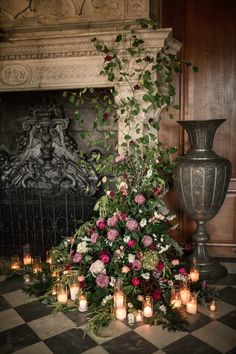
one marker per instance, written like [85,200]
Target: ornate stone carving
[47,157]
[14,74]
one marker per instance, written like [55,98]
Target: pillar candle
[184,296]
[194,276]
[74,289]
[121,313]
[83,304]
[62,296]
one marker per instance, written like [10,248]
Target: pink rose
[81,278]
[94,237]
[112,234]
[136,265]
[135,281]
[125,269]
[120,158]
[175,262]
[101,223]
[139,199]
[102,280]
[113,220]
[182,271]
[77,257]
[132,225]
[104,256]
[147,240]
[131,243]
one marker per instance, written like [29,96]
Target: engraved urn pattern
[201,179]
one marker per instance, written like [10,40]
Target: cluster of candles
[121,309]
[35,262]
[74,293]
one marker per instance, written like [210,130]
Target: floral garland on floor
[129,242]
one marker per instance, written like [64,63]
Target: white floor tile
[9,319]
[17,298]
[37,348]
[222,309]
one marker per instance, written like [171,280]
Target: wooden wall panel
[208,32]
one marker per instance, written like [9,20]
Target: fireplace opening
[46,190]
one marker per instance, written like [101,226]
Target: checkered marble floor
[28,327]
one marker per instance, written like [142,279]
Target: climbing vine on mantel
[149,79]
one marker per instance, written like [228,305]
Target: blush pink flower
[102,280]
[77,257]
[112,221]
[175,262]
[137,265]
[131,243]
[139,199]
[120,158]
[122,216]
[125,269]
[94,236]
[132,225]
[112,234]
[101,223]
[104,256]
[147,240]
[135,281]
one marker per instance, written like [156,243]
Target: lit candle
[54,291]
[121,313]
[15,263]
[27,259]
[83,304]
[119,300]
[191,306]
[194,275]
[49,260]
[147,311]
[184,296]
[212,306]
[62,296]
[139,316]
[74,289]
[26,279]
[176,303]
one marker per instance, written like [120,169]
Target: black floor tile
[189,345]
[71,342]
[230,279]
[197,321]
[228,294]
[130,342]
[32,311]
[17,338]
[10,285]
[4,304]
[78,318]
[229,319]
[232,351]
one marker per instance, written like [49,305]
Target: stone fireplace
[47,47]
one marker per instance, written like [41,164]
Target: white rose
[145,276]
[149,173]
[159,216]
[82,247]
[97,267]
[126,239]
[143,223]
[163,308]
[131,258]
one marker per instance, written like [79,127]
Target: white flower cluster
[181,277]
[131,258]
[131,318]
[143,223]
[163,308]
[106,299]
[164,248]
[112,282]
[82,247]
[145,276]
[126,239]
[97,267]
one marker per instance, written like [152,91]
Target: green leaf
[195,69]
[118,38]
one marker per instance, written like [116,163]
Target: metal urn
[201,179]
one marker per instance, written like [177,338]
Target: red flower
[101,224]
[111,194]
[108,58]
[106,115]
[135,281]
[104,256]
[137,87]
[131,243]
[157,295]
[157,191]
[160,266]
[122,216]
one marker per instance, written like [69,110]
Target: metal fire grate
[47,190]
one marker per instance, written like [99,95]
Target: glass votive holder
[74,287]
[37,265]
[191,306]
[15,262]
[184,294]
[194,271]
[139,316]
[27,259]
[148,307]
[62,296]
[83,303]
[175,297]
[26,280]
[212,306]
[120,313]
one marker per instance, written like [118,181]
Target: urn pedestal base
[211,269]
